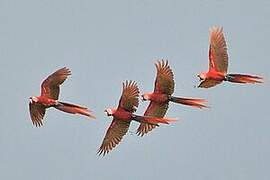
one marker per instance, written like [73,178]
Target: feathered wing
[130,96]
[154,110]
[209,83]
[113,136]
[164,83]
[164,80]
[129,101]
[50,86]
[37,112]
[218,57]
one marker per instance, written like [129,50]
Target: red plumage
[218,64]
[162,95]
[50,89]
[123,115]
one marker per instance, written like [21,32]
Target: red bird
[218,63]
[162,95]
[123,115]
[49,98]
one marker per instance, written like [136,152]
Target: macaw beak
[199,77]
[31,101]
[142,98]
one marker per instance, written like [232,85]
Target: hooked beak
[142,99]
[31,101]
[199,77]
[108,112]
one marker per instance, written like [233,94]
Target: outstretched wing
[164,81]
[130,96]
[209,83]
[37,112]
[113,136]
[218,57]
[50,86]
[154,110]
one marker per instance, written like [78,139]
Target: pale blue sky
[107,42]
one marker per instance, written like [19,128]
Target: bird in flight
[218,64]
[50,89]
[123,115]
[162,95]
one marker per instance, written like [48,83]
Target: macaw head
[145,97]
[202,76]
[109,111]
[33,99]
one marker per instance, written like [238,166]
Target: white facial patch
[201,76]
[108,111]
[145,97]
[33,99]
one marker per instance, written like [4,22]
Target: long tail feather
[154,120]
[242,78]
[74,109]
[197,103]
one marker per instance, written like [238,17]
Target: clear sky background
[107,42]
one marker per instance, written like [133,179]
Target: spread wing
[218,57]
[37,112]
[130,96]
[50,86]
[113,136]
[164,80]
[155,110]
[209,83]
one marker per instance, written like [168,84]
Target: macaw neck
[113,110]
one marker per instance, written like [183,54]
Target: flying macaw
[50,89]
[123,115]
[162,95]
[218,64]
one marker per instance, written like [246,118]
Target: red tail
[197,103]
[154,120]
[74,109]
[241,78]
